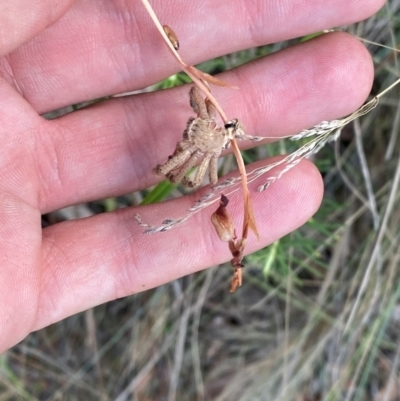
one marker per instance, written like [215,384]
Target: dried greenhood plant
[203,141]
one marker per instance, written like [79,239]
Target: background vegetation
[317,318]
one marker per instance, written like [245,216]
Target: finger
[20,231]
[21,20]
[94,260]
[103,47]
[112,148]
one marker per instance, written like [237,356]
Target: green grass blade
[158,193]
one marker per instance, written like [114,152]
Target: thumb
[21,20]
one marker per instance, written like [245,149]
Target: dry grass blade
[249,222]
[210,78]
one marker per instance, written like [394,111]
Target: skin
[61,52]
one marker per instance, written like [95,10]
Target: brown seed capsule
[171,36]
[236,280]
[237,249]
[222,221]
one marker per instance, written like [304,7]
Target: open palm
[60,53]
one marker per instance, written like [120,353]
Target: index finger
[16,27]
[102,47]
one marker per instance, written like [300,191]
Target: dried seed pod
[222,221]
[236,279]
[171,36]
[237,249]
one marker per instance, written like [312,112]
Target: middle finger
[111,148]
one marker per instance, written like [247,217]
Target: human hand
[74,52]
